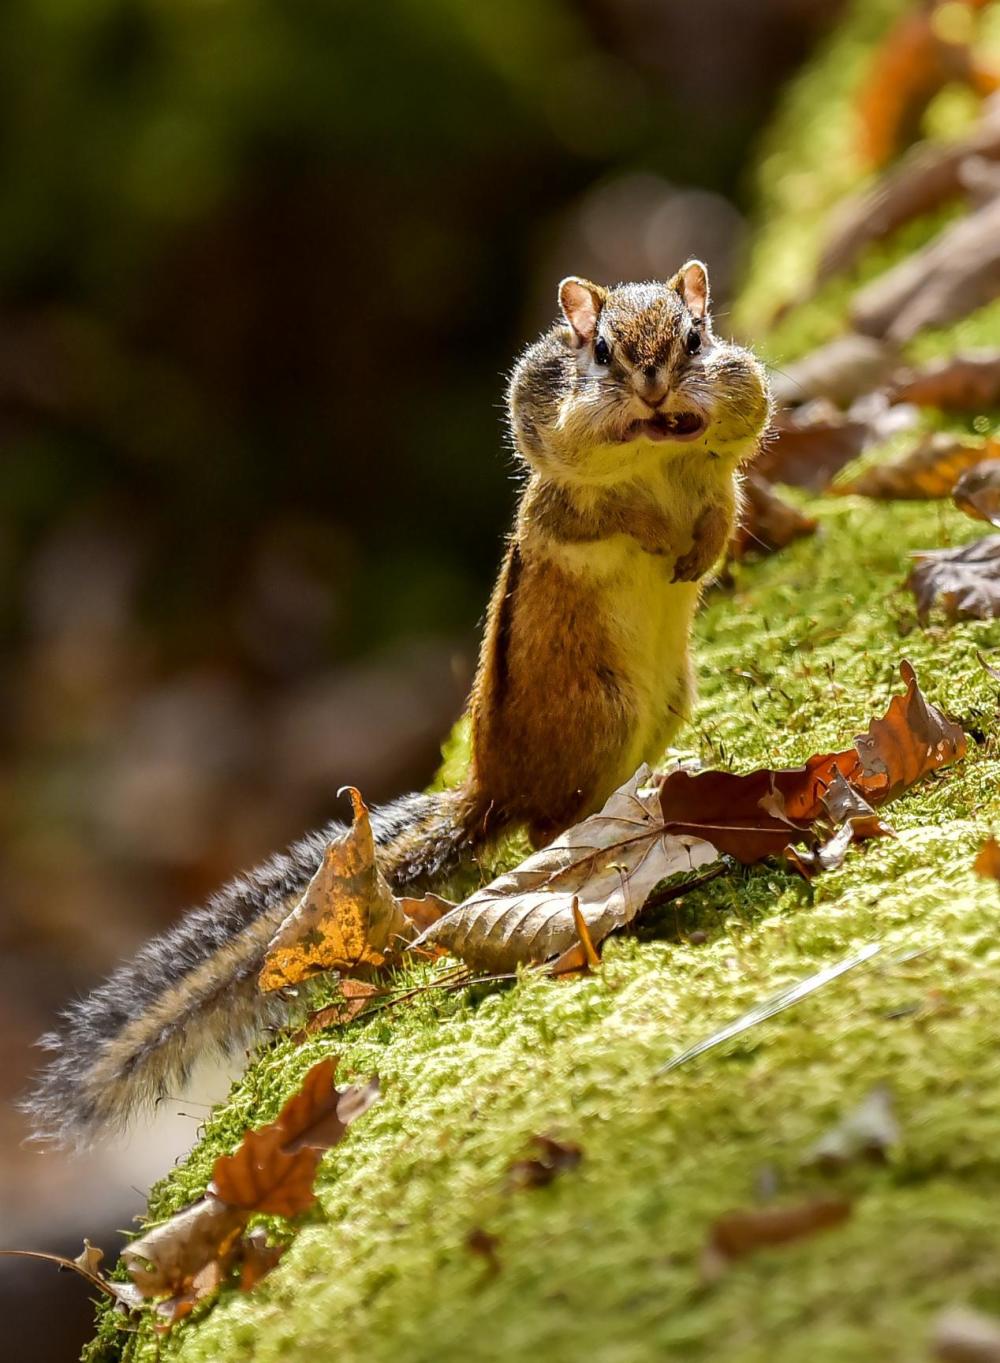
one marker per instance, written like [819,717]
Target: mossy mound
[603,1264]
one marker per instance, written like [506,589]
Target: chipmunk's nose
[650,386]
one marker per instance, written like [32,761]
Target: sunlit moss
[604,1264]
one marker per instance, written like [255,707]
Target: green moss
[604,1263]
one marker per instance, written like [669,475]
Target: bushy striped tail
[194,988]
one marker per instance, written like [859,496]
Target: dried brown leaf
[740,1233]
[274,1167]
[953,275]
[839,371]
[553,1157]
[86,1265]
[347,917]
[166,1260]
[964,581]
[928,177]
[609,863]
[966,382]
[355,995]
[481,1242]
[964,1336]
[258,1258]
[869,1131]
[767,522]
[755,815]
[929,470]
[805,448]
[977,492]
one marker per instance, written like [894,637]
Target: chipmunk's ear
[581,303]
[691,282]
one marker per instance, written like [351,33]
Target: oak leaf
[608,864]
[274,1167]
[347,917]
[927,471]
[964,581]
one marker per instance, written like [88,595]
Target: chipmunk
[631,420]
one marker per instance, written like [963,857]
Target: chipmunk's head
[635,374]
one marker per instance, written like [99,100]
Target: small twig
[676,891]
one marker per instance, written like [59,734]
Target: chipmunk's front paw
[711,534]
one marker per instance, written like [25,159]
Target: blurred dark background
[262,269]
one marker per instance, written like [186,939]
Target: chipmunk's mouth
[666,426]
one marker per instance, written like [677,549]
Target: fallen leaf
[481,1242]
[966,382]
[915,60]
[827,856]
[845,804]
[929,470]
[869,1131]
[964,581]
[553,1157]
[347,917]
[805,448]
[272,1171]
[609,864]
[957,272]
[964,1336]
[258,1258]
[766,523]
[929,176]
[987,862]
[274,1167]
[354,997]
[165,1261]
[977,492]
[839,371]
[740,1233]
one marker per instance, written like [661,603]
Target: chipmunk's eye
[602,351]
[692,343]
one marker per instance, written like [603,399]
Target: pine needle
[777,1003]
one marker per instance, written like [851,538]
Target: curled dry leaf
[964,1336]
[166,1260]
[767,522]
[740,1233]
[553,1157]
[965,582]
[259,1258]
[609,864]
[808,446]
[87,1264]
[929,470]
[348,916]
[869,1131]
[977,492]
[966,382]
[953,275]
